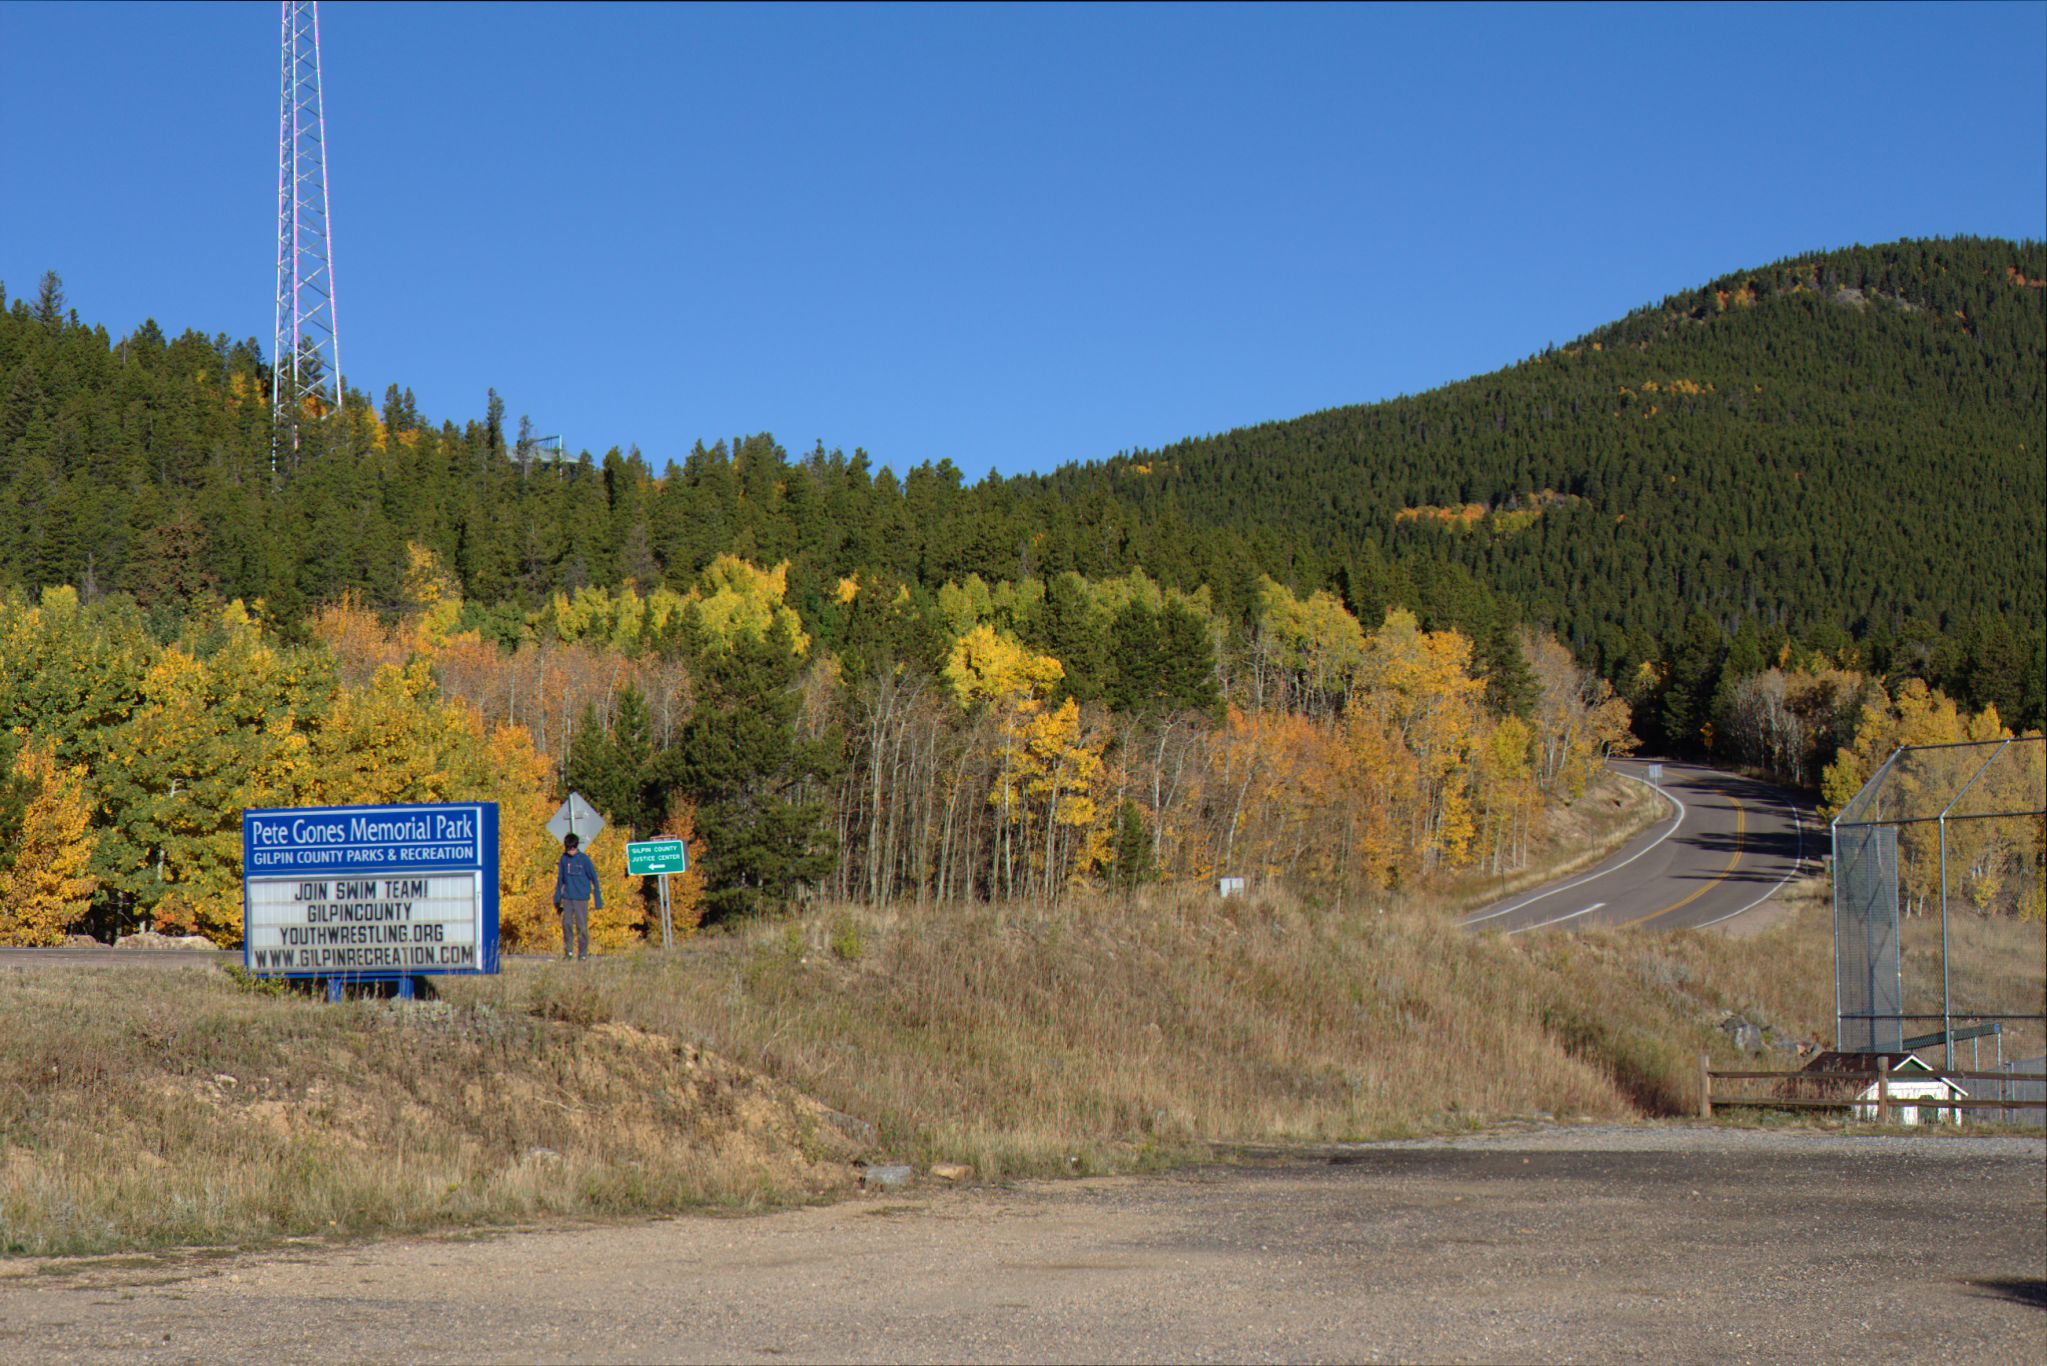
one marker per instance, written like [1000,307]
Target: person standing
[575,892]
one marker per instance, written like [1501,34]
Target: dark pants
[575,929]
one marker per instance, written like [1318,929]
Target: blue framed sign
[367,892]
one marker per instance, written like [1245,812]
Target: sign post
[370,893]
[576,817]
[657,859]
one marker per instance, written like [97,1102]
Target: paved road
[1576,1244]
[1731,843]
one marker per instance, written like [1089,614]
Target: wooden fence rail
[1884,1101]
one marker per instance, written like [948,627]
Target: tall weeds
[143,1109]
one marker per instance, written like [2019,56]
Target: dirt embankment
[165,1109]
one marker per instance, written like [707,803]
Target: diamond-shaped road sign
[576,817]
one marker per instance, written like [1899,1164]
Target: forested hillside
[1841,450]
[1355,650]
[1840,446]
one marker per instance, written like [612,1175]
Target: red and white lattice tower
[305,358]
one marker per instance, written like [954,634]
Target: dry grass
[147,1109]
[142,1110]
[1998,964]
[1105,1035]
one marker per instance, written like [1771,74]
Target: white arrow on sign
[576,817]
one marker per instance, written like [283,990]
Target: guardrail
[1884,1101]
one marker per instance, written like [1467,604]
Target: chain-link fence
[1937,827]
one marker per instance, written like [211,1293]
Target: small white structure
[1229,886]
[1912,1079]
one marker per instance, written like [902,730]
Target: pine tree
[50,299]
[1136,668]
[1076,636]
[1187,680]
[494,426]
[1995,672]
[634,791]
[761,831]
[1133,862]
[1510,687]
[1687,700]
[590,766]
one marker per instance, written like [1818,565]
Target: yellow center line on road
[1740,824]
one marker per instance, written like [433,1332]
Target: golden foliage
[358,641]
[737,598]
[433,596]
[1409,776]
[987,666]
[47,890]
[1992,864]
[1917,715]
[208,739]
[520,781]
[686,889]
[1048,768]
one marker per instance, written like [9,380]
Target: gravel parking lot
[1690,1243]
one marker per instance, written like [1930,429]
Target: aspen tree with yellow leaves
[1417,684]
[45,882]
[1995,864]
[685,889]
[736,598]
[1052,826]
[989,671]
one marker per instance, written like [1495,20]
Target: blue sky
[1010,237]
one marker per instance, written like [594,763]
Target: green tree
[1077,635]
[588,767]
[1132,866]
[1686,709]
[50,299]
[1995,674]
[619,770]
[761,831]
[1136,676]
[1510,686]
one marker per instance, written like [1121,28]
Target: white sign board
[365,924]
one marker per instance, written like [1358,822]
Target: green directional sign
[651,858]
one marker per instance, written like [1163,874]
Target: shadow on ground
[2032,1294]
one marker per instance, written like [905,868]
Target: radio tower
[306,355]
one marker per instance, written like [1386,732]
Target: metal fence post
[1883,1089]
[1947,1018]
